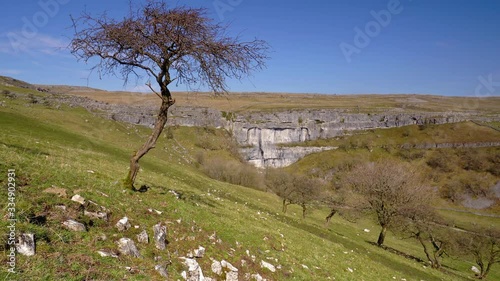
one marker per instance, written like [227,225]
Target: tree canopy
[180,44]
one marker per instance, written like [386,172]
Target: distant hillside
[11,82]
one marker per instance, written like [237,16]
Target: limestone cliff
[261,133]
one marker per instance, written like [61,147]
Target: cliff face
[262,133]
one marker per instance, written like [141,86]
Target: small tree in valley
[167,44]
[483,246]
[387,188]
[281,184]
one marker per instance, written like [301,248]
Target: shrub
[441,161]
[411,154]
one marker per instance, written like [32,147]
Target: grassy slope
[49,147]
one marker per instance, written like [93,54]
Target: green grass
[73,149]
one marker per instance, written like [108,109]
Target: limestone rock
[143,237]
[26,244]
[257,277]
[162,270]
[61,207]
[74,225]
[123,224]
[96,215]
[475,270]
[268,266]
[160,236]
[227,265]
[194,272]
[79,199]
[103,253]
[232,276]
[216,267]
[200,252]
[127,247]
[231,271]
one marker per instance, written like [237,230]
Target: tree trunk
[304,208]
[426,251]
[330,216]
[381,236]
[484,272]
[160,122]
[285,205]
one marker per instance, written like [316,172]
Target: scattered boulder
[74,225]
[60,207]
[227,265]
[96,215]
[232,276]
[268,266]
[216,267]
[79,199]
[475,270]
[194,272]
[103,253]
[257,277]
[162,270]
[127,247]
[200,252]
[143,237]
[155,211]
[26,244]
[123,224]
[160,236]
[231,271]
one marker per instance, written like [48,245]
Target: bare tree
[387,188]
[167,44]
[281,184]
[306,192]
[483,246]
[429,230]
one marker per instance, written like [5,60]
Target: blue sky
[446,47]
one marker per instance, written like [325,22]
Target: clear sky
[446,47]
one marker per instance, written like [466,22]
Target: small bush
[470,185]
[472,161]
[441,161]
[411,154]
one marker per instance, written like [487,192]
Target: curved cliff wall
[261,133]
